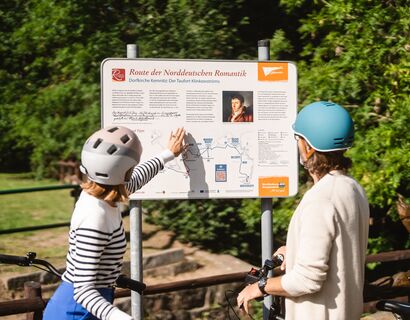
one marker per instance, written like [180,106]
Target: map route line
[200,154]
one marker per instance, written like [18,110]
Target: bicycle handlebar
[128,283]
[255,275]
[400,308]
[20,261]
[29,260]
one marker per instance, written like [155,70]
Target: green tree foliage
[356,53]
[351,52]
[221,225]
[51,53]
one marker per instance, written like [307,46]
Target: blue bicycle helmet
[326,126]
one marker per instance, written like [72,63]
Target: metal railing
[43,188]
[34,304]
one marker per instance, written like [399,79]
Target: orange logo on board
[272,71]
[273,186]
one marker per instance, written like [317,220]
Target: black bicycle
[30,261]
[400,310]
[254,275]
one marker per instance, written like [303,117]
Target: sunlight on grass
[32,208]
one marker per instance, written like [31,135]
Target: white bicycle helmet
[109,153]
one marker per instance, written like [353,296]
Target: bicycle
[254,275]
[400,310]
[30,261]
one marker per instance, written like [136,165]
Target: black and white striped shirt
[97,244]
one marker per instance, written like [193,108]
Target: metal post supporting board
[266,204]
[135,233]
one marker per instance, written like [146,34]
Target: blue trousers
[62,305]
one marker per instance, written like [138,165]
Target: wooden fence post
[32,289]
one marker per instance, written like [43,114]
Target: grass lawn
[33,209]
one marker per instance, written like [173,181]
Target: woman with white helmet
[97,239]
[327,235]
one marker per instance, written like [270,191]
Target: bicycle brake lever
[31,256]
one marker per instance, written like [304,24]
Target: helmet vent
[97,143]
[98,174]
[112,129]
[338,139]
[125,138]
[112,149]
[328,104]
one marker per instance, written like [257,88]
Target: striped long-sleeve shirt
[97,244]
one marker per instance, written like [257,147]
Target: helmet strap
[306,150]
[310,153]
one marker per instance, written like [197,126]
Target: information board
[237,115]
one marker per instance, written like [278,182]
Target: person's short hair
[105,192]
[238,96]
[321,163]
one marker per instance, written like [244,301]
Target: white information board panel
[251,156]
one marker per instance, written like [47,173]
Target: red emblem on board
[118,74]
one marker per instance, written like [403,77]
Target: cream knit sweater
[325,251]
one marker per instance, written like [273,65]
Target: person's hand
[282,251]
[176,142]
[249,293]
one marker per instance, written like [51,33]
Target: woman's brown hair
[111,194]
[321,163]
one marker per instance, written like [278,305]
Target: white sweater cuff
[117,314]
[167,156]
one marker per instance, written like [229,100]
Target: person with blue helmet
[327,236]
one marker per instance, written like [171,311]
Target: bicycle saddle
[400,308]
